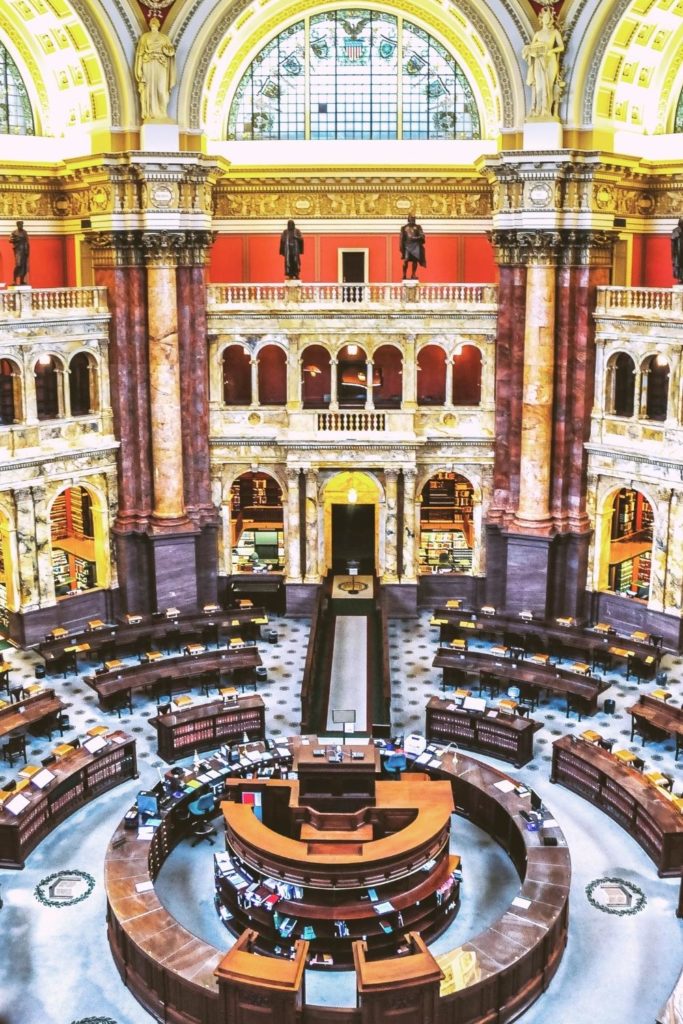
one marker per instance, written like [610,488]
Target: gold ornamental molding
[351,197]
[566,248]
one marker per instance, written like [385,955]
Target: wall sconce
[313,370]
[352,496]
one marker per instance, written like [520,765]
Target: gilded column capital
[587,248]
[162,248]
[115,248]
[527,248]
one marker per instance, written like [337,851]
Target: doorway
[353,537]
[352,268]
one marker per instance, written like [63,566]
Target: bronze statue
[19,241]
[291,247]
[677,251]
[412,247]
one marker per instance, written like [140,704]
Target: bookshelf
[623,793]
[78,778]
[509,737]
[630,553]
[446,533]
[207,726]
[73,546]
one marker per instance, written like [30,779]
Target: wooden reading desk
[36,708]
[656,713]
[206,726]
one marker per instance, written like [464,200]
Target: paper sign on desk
[144,886]
[146,832]
[519,901]
[505,785]
[95,743]
[43,779]
[17,804]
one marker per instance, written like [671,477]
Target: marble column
[390,549]
[312,573]
[293,527]
[294,379]
[27,556]
[369,397]
[29,403]
[409,369]
[409,531]
[673,589]
[449,381]
[43,543]
[164,380]
[334,403]
[533,509]
[254,382]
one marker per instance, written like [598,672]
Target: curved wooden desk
[508,965]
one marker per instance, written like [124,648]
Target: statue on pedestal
[154,72]
[677,251]
[19,242]
[292,247]
[412,247]
[542,55]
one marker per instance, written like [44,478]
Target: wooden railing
[349,296]
[318,661]
[351,421]
[34,302]
[666,301]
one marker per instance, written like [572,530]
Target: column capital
[570,248]
[150,248]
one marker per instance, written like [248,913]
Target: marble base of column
[159,525]
[527,574]
[569,573]
[401,600]
[136,588]
[535,527]
[207,563]
[174,568]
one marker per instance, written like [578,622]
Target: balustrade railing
[614,299]
[33,302]
[355,422]
[329,295]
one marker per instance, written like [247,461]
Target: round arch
[449,521]
[94,549]
[9,572]
[254,522]
[216,49]
[72,63]
[352,488]
[626,516]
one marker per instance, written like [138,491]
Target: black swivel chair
[202,811]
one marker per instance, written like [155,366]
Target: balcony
[48,303]
[662,303]
[375,297]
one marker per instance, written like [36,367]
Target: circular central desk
[494,976]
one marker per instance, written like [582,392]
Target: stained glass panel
[356,83]
[678,120]
[16,116]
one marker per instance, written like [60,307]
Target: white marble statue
[155,72]
[542,55]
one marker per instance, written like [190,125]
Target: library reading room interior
[341,511]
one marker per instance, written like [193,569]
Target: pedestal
[527,574]
[159,138]
[410,290]
[174,561]
[542,135]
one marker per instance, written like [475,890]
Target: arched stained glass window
[16,117]
[353,74]
[678,120]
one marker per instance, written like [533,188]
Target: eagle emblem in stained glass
[353,74]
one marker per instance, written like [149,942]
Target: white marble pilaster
[409,367]
[294,380]
[411,528]
[334,403]
[390,535]
[254,382]
[449,382]
[312,574]
[673,589]
[293,528]
[369,397]
[43,539]
[27,562]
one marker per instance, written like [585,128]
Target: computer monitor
[148,803]
[380,730]
[536,802]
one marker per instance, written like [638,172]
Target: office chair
[201,811]
[395,764]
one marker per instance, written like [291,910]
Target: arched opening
[236,376]
[467,376]
[351,520]
[387,377]
[446,524]
[630,545]
[431,376]
[621,385]
[47,373]
[352,377]
[72,531]
[315,377]
[82,388]
[655,389]
[10,392]
[16,116]
[272,375]
[258,540]
[8,574]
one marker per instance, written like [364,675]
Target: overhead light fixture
[44,360]
[313,370]
[352,496]
[661,360]
[352,349]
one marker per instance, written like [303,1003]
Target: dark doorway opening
[353,274]
[353,537]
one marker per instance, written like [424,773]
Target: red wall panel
[478,263]
[47,266]
[656,264]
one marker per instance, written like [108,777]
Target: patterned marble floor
[89,987]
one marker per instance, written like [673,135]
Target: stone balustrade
[353,422]
[350,296]
[20,303]
[646,301]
